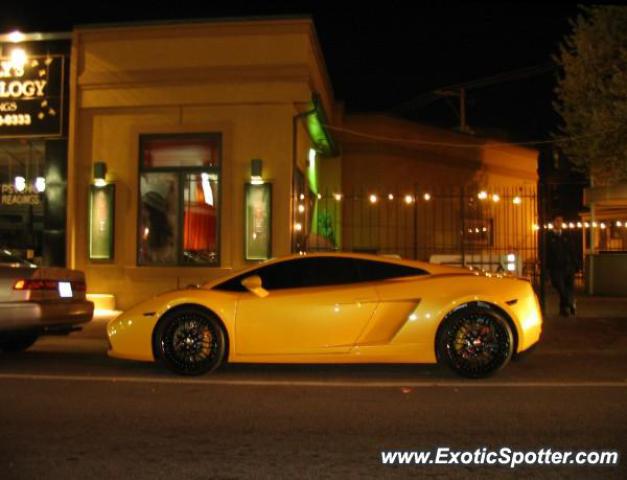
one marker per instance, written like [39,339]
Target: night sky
[380,58]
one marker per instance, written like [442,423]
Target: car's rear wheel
[475,342]
[17,341]
[190,341]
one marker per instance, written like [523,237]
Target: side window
[322,271]
[300,273]
[372,271]
[273,277]
[281,275]
[308,272]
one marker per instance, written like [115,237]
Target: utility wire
[438,93]
[455,145]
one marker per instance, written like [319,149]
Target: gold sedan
[335,308]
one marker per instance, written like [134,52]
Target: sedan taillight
[46,284]
[36,284]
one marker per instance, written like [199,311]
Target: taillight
[36,284]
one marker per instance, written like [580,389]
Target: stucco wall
[245,80]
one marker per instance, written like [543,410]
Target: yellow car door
[313,305]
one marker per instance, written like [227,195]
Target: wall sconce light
[100,174]
[256,167]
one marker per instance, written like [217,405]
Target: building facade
[178,114]
[189,149]
[34,105]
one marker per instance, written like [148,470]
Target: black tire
[475,342]
[190,341]
[17,341]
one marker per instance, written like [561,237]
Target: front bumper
[44,315]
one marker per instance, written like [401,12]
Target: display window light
[19,183]
[40,184]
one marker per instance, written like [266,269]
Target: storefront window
[22,187]
[179,201]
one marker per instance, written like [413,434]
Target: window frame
[181,173]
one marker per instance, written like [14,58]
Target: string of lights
[583,225]
[408,198]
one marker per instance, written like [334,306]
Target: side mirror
[253,284]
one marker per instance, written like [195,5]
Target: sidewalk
[589,307]
[97,328]
[599,327]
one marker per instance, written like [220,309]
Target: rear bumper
[44,315]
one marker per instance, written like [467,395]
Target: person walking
[562,263]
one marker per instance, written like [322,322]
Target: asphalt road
[67,411]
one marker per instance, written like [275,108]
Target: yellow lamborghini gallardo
[335,308]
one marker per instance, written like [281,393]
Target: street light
[16,36]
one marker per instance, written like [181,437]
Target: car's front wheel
[190,341]
[475,342]
[17,341]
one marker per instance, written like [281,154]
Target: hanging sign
[31,96]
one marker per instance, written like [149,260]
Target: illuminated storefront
[33,145]
[187,143]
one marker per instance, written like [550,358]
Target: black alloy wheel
[475,342]
[190,341]
[17,341]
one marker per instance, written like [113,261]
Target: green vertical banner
[258,222]
[101,222]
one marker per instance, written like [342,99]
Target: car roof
[430,268]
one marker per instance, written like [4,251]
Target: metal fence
[493,229]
